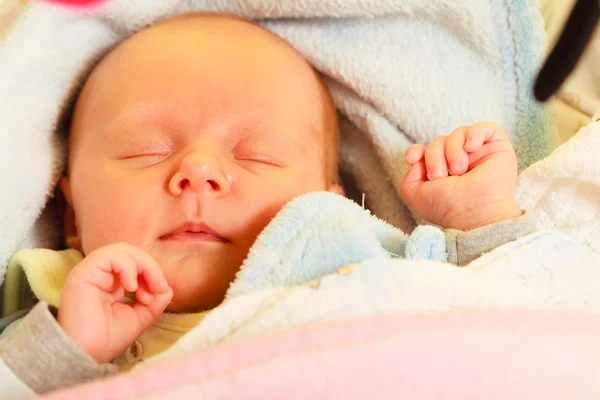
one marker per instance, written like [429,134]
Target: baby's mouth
[194,232]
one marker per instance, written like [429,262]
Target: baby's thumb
[416,174]
[481,133]
[149,312]
[161,302]
[145,314]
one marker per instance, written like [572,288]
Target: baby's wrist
[491,213]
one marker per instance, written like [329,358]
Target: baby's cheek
[99,230]
[272,199]
[251,216]
[257,221]
[112,217]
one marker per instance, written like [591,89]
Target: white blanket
[563,190]
[545,270]
[400,71]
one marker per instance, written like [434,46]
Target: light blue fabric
[316,234]
[522,47]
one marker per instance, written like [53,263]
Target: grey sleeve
[464,247]
[44,357]
[8,320]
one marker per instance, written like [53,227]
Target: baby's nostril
[184,183]
[214,185]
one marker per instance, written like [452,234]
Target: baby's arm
[464,247]
[38,356]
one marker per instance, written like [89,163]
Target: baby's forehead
[191,30]
[145,48]
[191,35]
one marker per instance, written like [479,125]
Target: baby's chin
[185,301]
[199,284]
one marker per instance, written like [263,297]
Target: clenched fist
[92,311]
[465,180]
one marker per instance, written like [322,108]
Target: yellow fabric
[167,330]
[46,272]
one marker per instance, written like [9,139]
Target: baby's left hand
[465,180]
[92,311]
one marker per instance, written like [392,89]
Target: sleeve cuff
[464,247]
[44,357]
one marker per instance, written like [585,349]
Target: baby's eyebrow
[139,115]
[273,135]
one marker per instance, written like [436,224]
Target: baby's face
[186,141]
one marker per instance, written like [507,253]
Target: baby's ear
[65,206]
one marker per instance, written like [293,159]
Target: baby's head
[188,138]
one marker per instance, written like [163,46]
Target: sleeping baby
[185,141]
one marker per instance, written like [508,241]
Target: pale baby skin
[185,142]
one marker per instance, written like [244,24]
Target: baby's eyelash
[259,159]
[138,155]
[259,149]
[145,149]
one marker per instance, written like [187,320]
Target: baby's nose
[200,174]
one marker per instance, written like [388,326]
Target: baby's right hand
[92,311]
[465,180]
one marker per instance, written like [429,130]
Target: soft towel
[319,233]
[400,72]
[563,190]
[546,270]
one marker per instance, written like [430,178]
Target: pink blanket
[466,355]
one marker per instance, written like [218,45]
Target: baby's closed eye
[144,153]
[261,150]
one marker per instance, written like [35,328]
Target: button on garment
[163,334]
[136,350]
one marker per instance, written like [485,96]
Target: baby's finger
[435,159]
[483,132]
[148,268]
[148,313]
[133,320]
[414,154]
[106,265]
[155,280]
[457,157]
[126,269]
[143,295]
[416,174]
[102,278]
